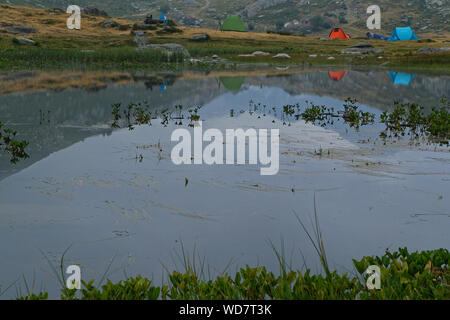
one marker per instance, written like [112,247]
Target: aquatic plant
[410,118]
[404,276]
[9,144]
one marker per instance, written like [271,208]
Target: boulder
[56,11]
[433,50]
[24,41]
[148,19]
[19,29]
[202,37]
[260,53]
[170,48]
[140,39]
[143,26]
[109,23]
[282,56]
[93,11]
[362,48]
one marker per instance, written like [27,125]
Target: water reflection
[337,75]
[400,78]
[90,185]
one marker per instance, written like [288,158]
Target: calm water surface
[87,186]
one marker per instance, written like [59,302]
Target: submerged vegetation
[404,276]
[9,144]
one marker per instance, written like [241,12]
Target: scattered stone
[24,41]
[433,50]
[109,23]
[331,58]
[282,56]
[202,37]
[215,57]
[313,55]
[19,30]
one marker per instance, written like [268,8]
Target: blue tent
[375,36]
[163,17]
[401,34]
[401,78]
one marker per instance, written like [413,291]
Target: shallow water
[115,193]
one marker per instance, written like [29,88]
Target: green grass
[76,59]
[404,276]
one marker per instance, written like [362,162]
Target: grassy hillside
[115,47]
[316,16]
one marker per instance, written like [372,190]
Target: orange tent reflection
[337,75]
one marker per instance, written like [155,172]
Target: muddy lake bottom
[114,194]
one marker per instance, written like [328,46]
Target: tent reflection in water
[400,78]
[337,75]
[233,84]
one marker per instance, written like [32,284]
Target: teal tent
[401,78]
[402,34]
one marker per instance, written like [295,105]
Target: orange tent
[338,33]
[337,75]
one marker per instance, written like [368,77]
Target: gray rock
[433,50]
[260,53]
[140,39]
[93,11]
[282,56]
[24,41]
[362,45]
[202,37]
[362,48]
[143,26]
[56,10]
[19,30]
[19,75]
[170,48]
[109,23]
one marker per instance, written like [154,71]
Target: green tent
[232,83]
[233,23]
